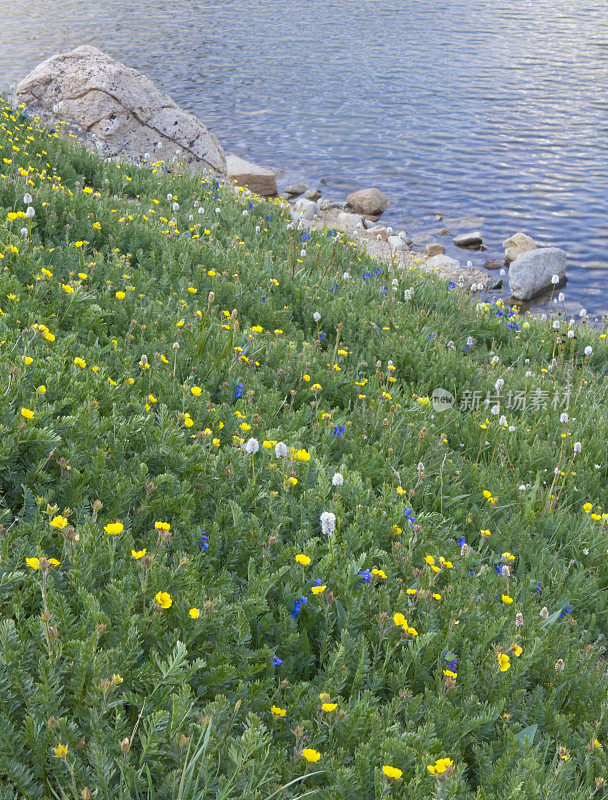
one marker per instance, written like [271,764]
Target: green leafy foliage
[158,637]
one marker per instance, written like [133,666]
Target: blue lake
[494,110]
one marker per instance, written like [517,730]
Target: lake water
[495,109]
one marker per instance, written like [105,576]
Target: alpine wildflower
[392,772]
[113,528]
[328,523]
[164,600]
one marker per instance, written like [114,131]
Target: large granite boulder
[119,109]
[259,179]
[533,272]
[517,244]
[368,201]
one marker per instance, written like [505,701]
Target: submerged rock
[295,189]
[312,194]
[517,244]
[368,201]
[118,108]
[473,239]
[533,271]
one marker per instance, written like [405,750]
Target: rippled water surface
[466,108]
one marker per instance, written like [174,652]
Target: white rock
[531,273]
[348,222]
[397,244]
[121,108]
[244,173]
[308,208]
[517,244]
[442,262]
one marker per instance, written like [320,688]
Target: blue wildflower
[322,336]
[378,271]
[203,542]
[298,605]
[431,336]
[239,390]
[304,237]
[367,275]
[339,430]
[276,661]
[451,285]
[366,575]
[408,514]
[565,611]
[461,541]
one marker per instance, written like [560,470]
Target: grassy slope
[111,441]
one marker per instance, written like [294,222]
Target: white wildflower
[280,449]
[337,480]
[252,446]
[328,523]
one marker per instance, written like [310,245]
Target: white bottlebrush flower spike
[252,446]
[328,523]
[280,449]
[338,479]
[316,316]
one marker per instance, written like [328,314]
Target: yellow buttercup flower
[302,559]
[506,599]
[59,522]
[504,662]
[196,391]
[278,712]
[517,650]
[587,507]
[138,554]
[61,750]
[114,528]
[303,455]
[392,772]
[194,613]
[27,413]
[164,600]
[311,755]
[329,707]
[318,589]
[440,766]
[34,563]
[162,526]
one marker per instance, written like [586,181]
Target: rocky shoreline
[121,114]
